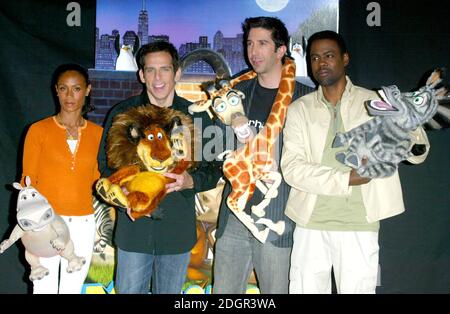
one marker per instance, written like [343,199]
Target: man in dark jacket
[152,251]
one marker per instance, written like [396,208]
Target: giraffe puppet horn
[199,106]
[435,78]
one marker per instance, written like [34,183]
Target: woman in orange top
[60,157]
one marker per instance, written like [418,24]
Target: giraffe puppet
[226,105]
[252,163]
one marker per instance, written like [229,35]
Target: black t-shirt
[259,105]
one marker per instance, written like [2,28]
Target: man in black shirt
[237,251]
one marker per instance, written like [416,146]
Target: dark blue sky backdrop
[186,20]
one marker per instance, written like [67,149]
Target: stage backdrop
[413,38]
[415,246]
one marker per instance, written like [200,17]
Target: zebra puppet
[385,139]
[104,223]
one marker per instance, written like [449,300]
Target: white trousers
[352,254]
[82,233]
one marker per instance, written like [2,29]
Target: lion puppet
[142,144]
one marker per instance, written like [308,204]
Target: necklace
[71,130]
[70,135]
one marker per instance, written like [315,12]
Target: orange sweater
[65,179]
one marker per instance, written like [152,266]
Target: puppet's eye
[33,194]
[233,100]
[418,100]
[160,136]
[48,214]
[25,223]
[220,107]
[24,197]
[151,137]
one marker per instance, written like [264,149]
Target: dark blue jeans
[135,271]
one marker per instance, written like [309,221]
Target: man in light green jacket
[336,211]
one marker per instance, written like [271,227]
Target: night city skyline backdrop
[198,17]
